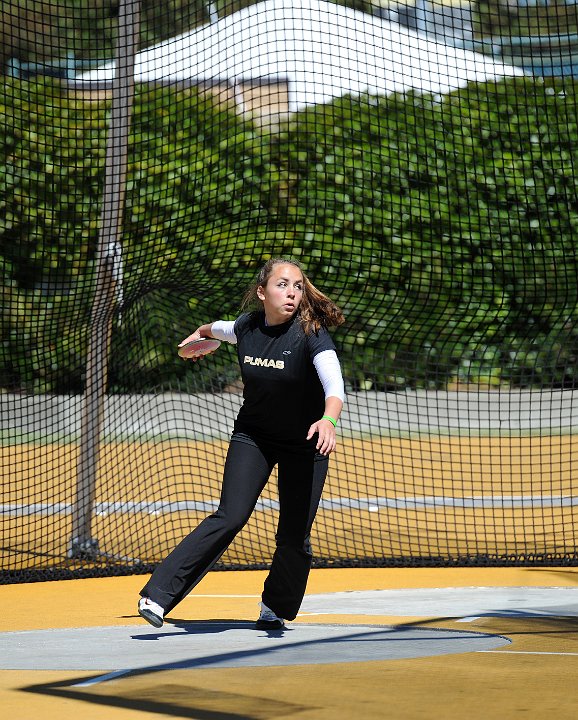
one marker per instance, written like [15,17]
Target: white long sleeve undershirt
[329,372]
[224,330]
[326,362]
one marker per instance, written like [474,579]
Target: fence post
[107,286]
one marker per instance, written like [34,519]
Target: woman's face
[282,294]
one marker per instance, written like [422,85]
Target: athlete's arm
[220,330]
[329,371]
[224,330]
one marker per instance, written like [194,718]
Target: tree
[31,30]
[513,18]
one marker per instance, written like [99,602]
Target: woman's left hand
[326,441]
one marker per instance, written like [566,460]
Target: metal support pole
[82,544]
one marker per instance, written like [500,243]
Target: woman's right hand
[201,332]
[195,336]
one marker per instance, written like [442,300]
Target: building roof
[324,50]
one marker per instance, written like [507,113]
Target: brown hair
[316,309]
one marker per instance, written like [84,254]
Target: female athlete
[292,398]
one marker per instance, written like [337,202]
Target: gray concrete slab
[462,602]
[209,416]
[227,644]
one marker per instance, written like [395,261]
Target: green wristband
[333,421]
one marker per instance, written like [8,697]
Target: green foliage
[499,18]
[445,227]
[51,157]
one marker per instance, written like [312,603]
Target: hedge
[444,226]
[452,221]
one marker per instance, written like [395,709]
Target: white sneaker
[151,611]
[268,620]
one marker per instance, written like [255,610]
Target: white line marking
[526,652]
[308,614]
[102,678]
[503,502]
[195,595]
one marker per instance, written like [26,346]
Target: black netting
[419,158]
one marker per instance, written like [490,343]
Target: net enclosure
[419,159]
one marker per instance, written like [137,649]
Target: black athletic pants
[301,476]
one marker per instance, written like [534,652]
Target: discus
[198,348]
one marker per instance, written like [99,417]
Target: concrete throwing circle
[228,644]
[455,602]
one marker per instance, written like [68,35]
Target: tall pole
[108,279]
